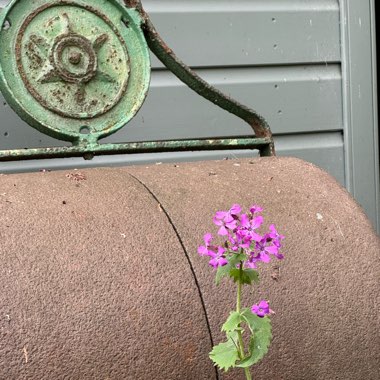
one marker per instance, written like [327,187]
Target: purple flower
[252,260]
[215,252]
[254,209]
[234,242]
[218,260]
[275,236]
[227,220]
[227,223]
[262,250]
[262,309]
[204,249]
[268,246]
[249,225]
[242,237]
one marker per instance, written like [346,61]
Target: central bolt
[75,57]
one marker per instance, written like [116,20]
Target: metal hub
[57,64]
[73,59]
[79,62]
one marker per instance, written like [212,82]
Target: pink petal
[244,220]
[218,262]
[202,250]
[220,214]
[264,257]
[222,231]
[250,265]
[255,208]
[256,237]
[217,221]
[221,250]
[272,249]
[257,222]
[207,238]
[263,304]
[231,225]
[235,209]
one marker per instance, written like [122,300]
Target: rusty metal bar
[197,84]
[89,151]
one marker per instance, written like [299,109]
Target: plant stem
[240,337]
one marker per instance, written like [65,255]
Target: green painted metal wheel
[75,70]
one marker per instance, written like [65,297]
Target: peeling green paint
[90,150]
[69,67]
[80,70]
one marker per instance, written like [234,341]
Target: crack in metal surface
[187,257]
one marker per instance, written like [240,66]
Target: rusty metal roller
[100,278]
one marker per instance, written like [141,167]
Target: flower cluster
[244,247]
[242,237]
[244,242]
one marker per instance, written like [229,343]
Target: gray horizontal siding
[173,111]
[234,33]
[229,33]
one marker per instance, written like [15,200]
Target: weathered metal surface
[79,71]
[76,70]
[56,69]
[99,273]
[88,151]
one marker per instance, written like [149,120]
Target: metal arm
[196,83]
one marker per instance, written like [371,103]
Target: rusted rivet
[75,57]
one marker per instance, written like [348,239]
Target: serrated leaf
[260,340]
[252,275]
[225,355]
[224,271]
[255,323]
[247,276]
[233,322]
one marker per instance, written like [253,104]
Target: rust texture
[100,273]
[88,149]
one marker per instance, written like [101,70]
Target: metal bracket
[80,84]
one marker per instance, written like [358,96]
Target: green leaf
[224,271]
[261,329]
[233,322]
[247,276]
[225,355]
